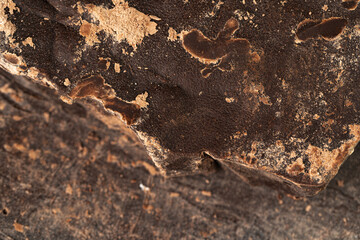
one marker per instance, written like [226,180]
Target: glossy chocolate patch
[328,29]
[95,86]
[218,51]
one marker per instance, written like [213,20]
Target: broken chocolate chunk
[254,87]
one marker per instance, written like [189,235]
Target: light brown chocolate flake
[117,67]
[29,42]
[67,82]
[18,227]
[122,22]
[69,189]
[173,35]
[5,25]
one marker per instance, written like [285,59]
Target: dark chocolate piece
[257,87]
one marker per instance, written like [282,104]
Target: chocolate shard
[256,87]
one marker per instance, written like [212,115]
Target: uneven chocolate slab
[66,175]
[268,88]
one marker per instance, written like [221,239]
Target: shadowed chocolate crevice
[328,29]
[350,4]
[219,51]
[95,86]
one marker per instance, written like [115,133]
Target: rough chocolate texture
[76,172]
[267,88]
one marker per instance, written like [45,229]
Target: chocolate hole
[5,212]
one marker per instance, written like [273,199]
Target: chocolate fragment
[284,106]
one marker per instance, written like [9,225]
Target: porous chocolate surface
[268,88]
